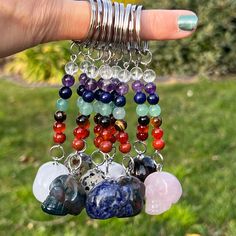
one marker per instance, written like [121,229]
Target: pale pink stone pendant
[162,190]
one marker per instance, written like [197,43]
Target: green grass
[200,132]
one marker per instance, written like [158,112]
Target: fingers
[167,24]
[155,24]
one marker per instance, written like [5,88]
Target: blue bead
[65,92]
[88,96]
[114,94]
[98,94]
[153,99]
[120,101]
[105,97]
[80,90]
[140,98]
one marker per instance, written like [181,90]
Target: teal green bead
[97,106]
[119,113]
[105,109]
[154,110]
[142,110]
[86,109]
[80,102]
[112,104]
[62,104]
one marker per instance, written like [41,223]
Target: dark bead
[83,78]
[140,98]
[98,94]
[105,97]
[113,120]
[120,125]
[153,99]
[80,90]
[143,120]
[120,101]
[143,167]
[156,121]
[88,96]
[65,92]
[105,121]
[81,120]
[114,94]
[60,116]
[97,118]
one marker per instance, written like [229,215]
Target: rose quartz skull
[162,190]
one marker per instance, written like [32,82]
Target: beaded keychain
[112,56]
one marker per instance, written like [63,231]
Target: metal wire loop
[61,149]
[139,144]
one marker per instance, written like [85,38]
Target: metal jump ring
[103,155]
[58,146]
[130,165]
[70,158]
[139,152]
[158,155]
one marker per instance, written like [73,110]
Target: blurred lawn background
[199,123]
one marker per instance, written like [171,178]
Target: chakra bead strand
[65,93]
[119,114]
[86,92]
[141,110]
[155,111]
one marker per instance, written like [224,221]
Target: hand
[26,23]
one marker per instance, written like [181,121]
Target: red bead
[113,139]
[86,125]
[106,134]
[97,129]
[59,127]
[122,137]
[78,144]
[142,136]
[97,141]
[125,147]
[158,144]
[59,138]
[157,133]
[142,128]
[112,129]
[105,146]
[81,133]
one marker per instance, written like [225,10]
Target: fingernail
[187,22]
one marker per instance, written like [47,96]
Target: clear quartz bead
[84,65]
[137,73]
[71,68]
[116,70]
[92,71]
[124,76]
[105,72]
[149,75]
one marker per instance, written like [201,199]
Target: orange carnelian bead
[113,139]
[157,133]
[158,144]
[78,144]
[81,133]
[112,129]
[142,136]
[59,127]
[105,146]
[142,128]
[106,134]
[59,138]
[122,137]
[125,147]
[97,141]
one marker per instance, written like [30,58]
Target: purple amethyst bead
[108,86]
[137,86]
[91,84]
[122,88]
[68,80]
[100,83]
[115,81]
[83,78]
[150,88]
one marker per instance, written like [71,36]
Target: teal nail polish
[187,22]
